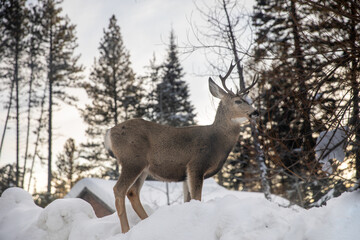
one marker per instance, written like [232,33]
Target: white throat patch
[239,120]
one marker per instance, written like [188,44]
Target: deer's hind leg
[129,174]
[134,196]
[186,191]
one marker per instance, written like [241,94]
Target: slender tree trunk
[16,80]
[115,113]
[28,123]
[232,40]
[7,116]
[355,121]
[37,141]
[71,171]
[50,137]
[260,156]
[50,79]
[308,142]
[260,159]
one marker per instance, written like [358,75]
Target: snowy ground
[222,215]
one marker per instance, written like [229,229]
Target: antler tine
[223,79]
[246,90]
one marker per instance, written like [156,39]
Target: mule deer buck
[188,154]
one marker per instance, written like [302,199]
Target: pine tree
[69,169]
[35,66]
[285,85]
[62,67]
[334,29]
[172,105]
[115,97]
[14,19]
[151,80]
[302,90]
[7,177]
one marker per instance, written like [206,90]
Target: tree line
[306,55]
[39,67]
[305,144]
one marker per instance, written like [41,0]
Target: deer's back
[168,151]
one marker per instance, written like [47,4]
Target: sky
[145,26]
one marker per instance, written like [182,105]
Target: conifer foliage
[14,23]
[37,52]
[114,95]
[172,105]
[300,52]
[62,65]
[69,168]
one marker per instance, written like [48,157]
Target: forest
[304,146]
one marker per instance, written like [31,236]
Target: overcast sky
[145,26]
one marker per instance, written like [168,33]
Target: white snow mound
[59,217]
[229,217]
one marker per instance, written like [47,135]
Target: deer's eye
[238,102]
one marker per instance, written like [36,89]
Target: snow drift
[227,217]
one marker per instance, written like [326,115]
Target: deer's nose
[254,114]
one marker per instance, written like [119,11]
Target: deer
[173,154]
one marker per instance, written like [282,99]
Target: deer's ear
[215,90]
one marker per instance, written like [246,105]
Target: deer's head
[236,104]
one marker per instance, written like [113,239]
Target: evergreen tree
[69,169]
[62,67]
[115,97]
[334,29]
[172,105]
[14,20]
[151,80]
[302,91]
[293,113]
[7,177]
[34,53]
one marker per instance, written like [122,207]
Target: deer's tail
[107,142]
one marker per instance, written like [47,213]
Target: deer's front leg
[195,182]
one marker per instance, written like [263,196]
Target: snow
[223,214]
[153,193]
[330,145]
[99,187]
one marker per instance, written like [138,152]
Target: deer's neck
[223,122]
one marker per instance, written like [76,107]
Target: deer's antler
[240,92]
[246,90]
[223,79]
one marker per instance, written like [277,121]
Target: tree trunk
[233,46]
[355,121]
[260,156]
[7,116]
[28,123]
[50,79]
[16,80]
[260,159]
[306,130]
[37,141]
[115,114]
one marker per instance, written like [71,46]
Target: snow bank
[244,216]
[153,193]
[18,215]
[59,217]
[330,145]
[223,218]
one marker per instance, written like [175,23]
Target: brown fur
[167,153]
